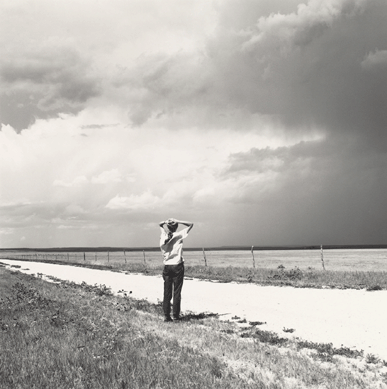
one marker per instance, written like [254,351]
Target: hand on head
[171,221]
[171,225]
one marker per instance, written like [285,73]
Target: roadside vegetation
[66,335]
[279,276]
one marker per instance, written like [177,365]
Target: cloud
[74,209]
[106,177]
[46,81]
[144,201]
[64,56]
[318,190]
[375,60]
[302,71]
[285,32]
[80,180]
[269,116]
[6,231]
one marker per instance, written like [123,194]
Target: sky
[262,122]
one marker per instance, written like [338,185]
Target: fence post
[125,255]
[84,256]
[204,256]
[322,257]
[252,252]
[108,256]
[143,252]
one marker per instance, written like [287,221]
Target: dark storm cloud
[306,68]
[43,83]
[319,67]
[322,65]
[322,192]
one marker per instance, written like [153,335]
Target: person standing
[171,245]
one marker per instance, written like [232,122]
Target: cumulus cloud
[301,70]
[64,55]
[145,201]
[285,32]
[43,81]
[107,176]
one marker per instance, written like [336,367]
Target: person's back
[171,245]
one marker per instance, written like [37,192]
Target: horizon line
[214,248]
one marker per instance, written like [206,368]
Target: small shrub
[325,351]
[265,337]
[256,323]
[371,358]
[287,275]
[374,287]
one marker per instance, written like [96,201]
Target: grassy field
[334,259]
[368,268]
[79,336]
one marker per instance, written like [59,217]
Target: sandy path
[352,318]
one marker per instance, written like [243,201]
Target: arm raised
[185,223]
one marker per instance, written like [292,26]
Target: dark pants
[173,282]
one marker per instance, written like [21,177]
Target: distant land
[220,248]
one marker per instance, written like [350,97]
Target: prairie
[365,259]
[340,268]
[66,335]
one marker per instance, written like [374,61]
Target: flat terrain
[334,259]
[353,318]
[342,269]
[65,335]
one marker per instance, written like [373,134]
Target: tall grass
[79,336]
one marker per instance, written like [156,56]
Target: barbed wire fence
[248,257]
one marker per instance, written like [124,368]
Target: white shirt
[173,249]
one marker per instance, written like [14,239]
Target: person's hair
[172,227]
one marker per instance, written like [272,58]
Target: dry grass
[80,336]
[278,270]
[295,277]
